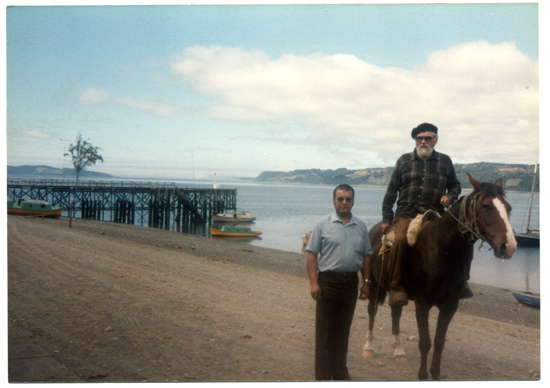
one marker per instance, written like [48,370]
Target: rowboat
[233,231]
[527,298]
[33,207]
[233,217]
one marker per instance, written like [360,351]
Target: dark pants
[333,319]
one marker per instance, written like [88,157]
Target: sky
[181,92]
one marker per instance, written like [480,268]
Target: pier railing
[144,203]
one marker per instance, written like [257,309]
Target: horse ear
[498,183]
[475,184]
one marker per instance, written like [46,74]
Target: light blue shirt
[339,247]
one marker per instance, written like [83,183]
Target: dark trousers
[333,318]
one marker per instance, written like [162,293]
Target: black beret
[423,128]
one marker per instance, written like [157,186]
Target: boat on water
[33,207]
[305,238]
[527,298]
[233,217]
[531,236]
[233,231]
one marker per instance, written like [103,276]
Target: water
[285,212]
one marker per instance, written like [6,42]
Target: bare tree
[83,154]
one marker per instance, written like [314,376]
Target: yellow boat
[33,207]
[233,231]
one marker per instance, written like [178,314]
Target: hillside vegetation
[516,177]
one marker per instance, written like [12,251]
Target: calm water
[285,212]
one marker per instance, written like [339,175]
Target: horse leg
[398,352]
[446,313]
[424,341]
[368,349]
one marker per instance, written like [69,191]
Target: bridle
[467,219]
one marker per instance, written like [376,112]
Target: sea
[284,213]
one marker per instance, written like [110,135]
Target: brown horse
[437,266]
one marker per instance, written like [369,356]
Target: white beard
[424,152]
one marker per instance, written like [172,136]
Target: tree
[83,155]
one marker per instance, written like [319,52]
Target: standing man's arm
[365,271]
[315,290]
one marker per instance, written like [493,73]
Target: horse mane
[487,190]
[491,190]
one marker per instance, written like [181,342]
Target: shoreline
[488,302]
[108,302]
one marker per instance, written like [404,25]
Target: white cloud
[483,97]
[94,96]
[98,96]
[158,108]
[36,134]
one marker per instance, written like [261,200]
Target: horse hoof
[368,353]
[400,359]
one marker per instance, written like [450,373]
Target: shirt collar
[414,155]
[334,218]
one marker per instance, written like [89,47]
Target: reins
[468,226]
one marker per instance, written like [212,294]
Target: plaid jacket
[420,185]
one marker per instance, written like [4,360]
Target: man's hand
[385,228]
[315,291]
[364,294]
[445,201]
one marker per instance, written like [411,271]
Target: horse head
[492,217]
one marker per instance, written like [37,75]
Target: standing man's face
[343,202]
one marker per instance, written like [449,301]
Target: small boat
[233,217]
[233,231]
[531,237]
[528,299]
[305,238]
[33,207]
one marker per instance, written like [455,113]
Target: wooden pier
[160,205]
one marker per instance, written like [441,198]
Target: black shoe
[345,377]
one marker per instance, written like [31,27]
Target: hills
[516,177]
[48,172]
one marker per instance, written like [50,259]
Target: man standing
[425,179]
[338,248]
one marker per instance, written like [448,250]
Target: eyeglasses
[342,199]
[427,138]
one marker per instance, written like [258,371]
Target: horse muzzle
[505,250]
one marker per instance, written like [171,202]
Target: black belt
[338,275]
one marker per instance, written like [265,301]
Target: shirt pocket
[358,245]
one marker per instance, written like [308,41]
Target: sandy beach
[106,302]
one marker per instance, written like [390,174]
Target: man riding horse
[425,180]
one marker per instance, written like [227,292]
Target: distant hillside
[516,177]
[48,172]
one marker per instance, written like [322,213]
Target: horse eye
[486,208]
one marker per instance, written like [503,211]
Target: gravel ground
[106,302]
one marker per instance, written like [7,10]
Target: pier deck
[142,203]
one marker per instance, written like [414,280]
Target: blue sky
[168,91]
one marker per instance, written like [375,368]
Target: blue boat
[528,299]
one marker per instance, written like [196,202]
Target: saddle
[412,232]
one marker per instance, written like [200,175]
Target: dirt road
[104,302]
